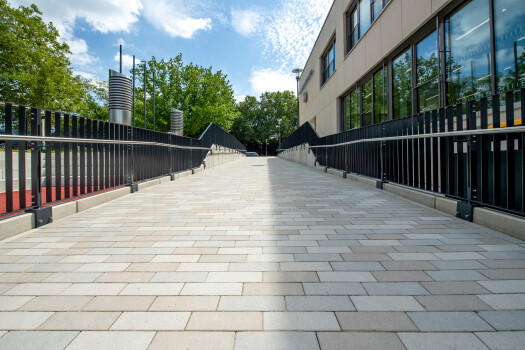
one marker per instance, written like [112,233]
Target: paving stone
[225,321]
[94,289]
[454,287]
[456,275]
[57,303]
[64,277]
[151,321]
[299,276]
[251,303]
[12,303]
[452,303]
[357,266]
[270,288]
[185,303]
[24,340]
[80,321]
[375,321]
[502,340]
[152,289]
[439,341]
[336,288]
[319,303]
[300,321]
[448,321]
[507,286]
[504,301]
[194,340]
[365,257]
[354,340]
[212,289]
[408,265]
[119,303]
[276,341]
[38,289]
[505,320]
[111,340]
[234,277]
[22,320]
[401,276]
[504,274]
[386,303]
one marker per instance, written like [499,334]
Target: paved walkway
[262,254]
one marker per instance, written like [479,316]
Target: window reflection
[367,103]
[346,112]
[427,73]
[364,17]
[509,29]
[380,110]
[402,84]
[354,109]
[467,34]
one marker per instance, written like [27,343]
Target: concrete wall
[398,21]
[299,154]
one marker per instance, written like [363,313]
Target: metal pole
[153,99]
[297,78]
[133,94]
[120,58]
[145,77]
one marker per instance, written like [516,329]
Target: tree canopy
[203,95]
[259,119]
[34,65]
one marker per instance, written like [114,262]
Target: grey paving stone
[504,274]
[252,303]
[456,275]
[319,303]
[333,288]
[458,265]
[353,340]
[300,321]
[299,276]
[452,303]
[502,340]
[440,341]
[357,266]
[408,265]
[504,301]
[505,320]
[506,286]
[401,276]
[448,321]
[454,287]
[193,340]
[36,340]
[276,341]
[386,303]
[395,288]
[318,257]
[375,321]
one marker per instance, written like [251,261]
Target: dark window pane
[509,22]
[380,110]
[347,112]
[428,96]
[427,61]
[467,34]
[402,85]
[364,17]
[354,109]
[377,7]
[367,103]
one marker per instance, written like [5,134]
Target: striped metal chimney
[177,122]
[120,98]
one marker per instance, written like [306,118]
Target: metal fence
[50,157]
[472,151]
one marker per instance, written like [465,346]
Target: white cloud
[240,98]
[246,22]
[79,51]
[85,75]
[270,80]
[174,17]
[127,61]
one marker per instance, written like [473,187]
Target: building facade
[378,60]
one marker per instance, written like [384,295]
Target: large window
[377,7]
[427,73]
[402,84]
[509,30]
[328,61]
[367,103]
[380,98]
[351,110]
[352,28]
[358,20]
[467,35]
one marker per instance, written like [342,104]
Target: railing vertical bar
[58,158]
[428,154]
[48,159]
[483,153]
[82,134]
[460,169]
[36,166]
[421,151]
[435,153]
[9,205]
[107,151]
[442,153]
[67,159]
[89,146]
[74,134]
[22,130]
[510,159]
[496,162]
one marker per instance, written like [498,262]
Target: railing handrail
[8,137]
[505,130]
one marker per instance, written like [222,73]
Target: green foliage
[259,119]
[34,66]
[203,96]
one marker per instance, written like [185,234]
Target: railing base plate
[134,187]
[43,215]
[465,210]
[172,177]
[379,184]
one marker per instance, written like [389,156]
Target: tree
[34,66]
[259,119]
[202,95]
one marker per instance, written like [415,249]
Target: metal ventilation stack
[120,96]
[177,122]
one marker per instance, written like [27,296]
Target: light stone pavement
[262,253]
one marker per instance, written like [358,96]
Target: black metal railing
[467,151]
[60,156]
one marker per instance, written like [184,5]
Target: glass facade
[402,84]
[467,40]
[328,62]
[481,53]
[509,32]
[427,73]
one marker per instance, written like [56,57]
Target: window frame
[325,64]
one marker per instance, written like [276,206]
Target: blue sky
[256,43]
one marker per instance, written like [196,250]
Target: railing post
[379,184]
[42,215]
[131,165]
[465,209]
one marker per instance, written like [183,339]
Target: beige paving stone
[12,303]
[223,258]
[38,289]
[212,289]
[80,321]
[193,340]
[127,277]
[300,321]
[151,321]
[22,320]
[129,258]
[152,289]
[234,277]
[354,340]
[119,303]
[270,288]
[23,277]
[57,303]
[252,303]
[203,267]
[175,258]
[28,340]
[94,289]
[114,340]
[225,321]
[185,303]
